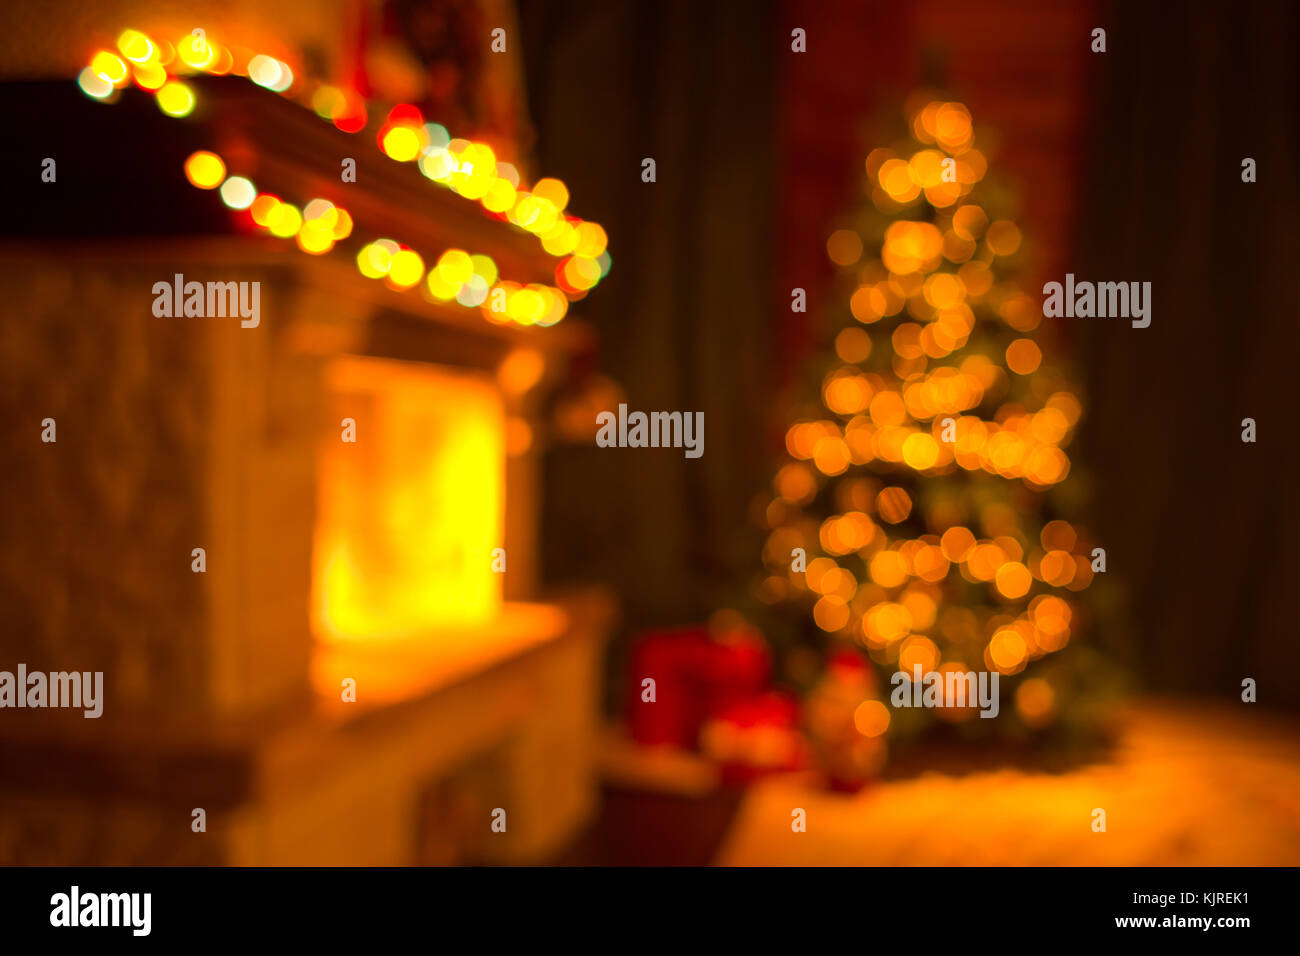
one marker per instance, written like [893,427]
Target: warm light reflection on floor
[1187,786]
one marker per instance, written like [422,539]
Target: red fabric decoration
[696,678]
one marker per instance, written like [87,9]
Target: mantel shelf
[121,173]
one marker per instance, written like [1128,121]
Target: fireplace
[360,668]
[409,554]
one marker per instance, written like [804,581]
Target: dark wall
[1201,529]
[684,317]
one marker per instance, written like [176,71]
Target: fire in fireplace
[409,505]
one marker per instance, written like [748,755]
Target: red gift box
[756,737]
[696,677]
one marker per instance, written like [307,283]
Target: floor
[1182,785]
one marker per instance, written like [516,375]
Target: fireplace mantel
[120,189]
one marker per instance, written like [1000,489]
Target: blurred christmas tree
[922,514]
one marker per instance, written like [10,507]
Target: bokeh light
[175,98]
[205,170]
[871,718]
[238,192]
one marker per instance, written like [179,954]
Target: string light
[205,170]
[471,169]
[175,98]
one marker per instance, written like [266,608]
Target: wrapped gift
[669,711]
[698,673]
[755,737]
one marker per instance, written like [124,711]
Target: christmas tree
[922,513]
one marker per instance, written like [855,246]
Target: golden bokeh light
[930,563]
[888,569]
[895,178]
[315,237]
[520,370]
[1013,579]
[984,560]
[205,170]
[886,623]
[921,606]
[1023,356]
[816,574]
[920,451]
[952,126]
[554,192]
[831,455]
[1057,568]
[195,51]
[1058,535]
[846,393]
[853,345]
[957,543]
[871,718]
[831,613]
[109,68]
[969,222]
[1008,650]
[912,247]
[136,47]
[844,247]
[888,408]
[1035,702]
[374,260]
[918,651]
[175,99]
[401,143]
[284,221]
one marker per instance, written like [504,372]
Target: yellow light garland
[468,168]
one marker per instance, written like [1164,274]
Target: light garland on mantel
[467,168]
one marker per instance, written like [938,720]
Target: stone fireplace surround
[176,433]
